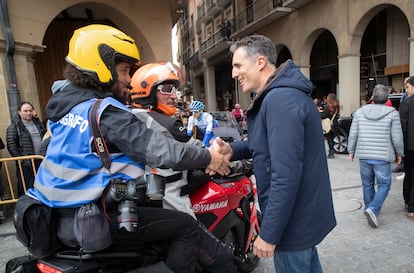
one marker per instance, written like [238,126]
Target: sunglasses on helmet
[167,89]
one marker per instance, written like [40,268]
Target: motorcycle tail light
[44,268]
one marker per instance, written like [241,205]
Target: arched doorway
[324,65]
[385,51]
[50,64]
[283,55]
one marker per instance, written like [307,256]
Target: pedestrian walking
[331,112]
[376,139]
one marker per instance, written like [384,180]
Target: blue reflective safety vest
[71,173]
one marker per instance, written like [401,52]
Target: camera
[131,193]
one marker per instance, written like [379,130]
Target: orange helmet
[146,79]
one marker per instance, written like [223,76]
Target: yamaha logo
[197,208]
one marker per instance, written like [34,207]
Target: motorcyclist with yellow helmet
[101,60]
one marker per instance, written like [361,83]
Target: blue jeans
[382,174]
[301,261]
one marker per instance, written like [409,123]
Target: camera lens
[128,216]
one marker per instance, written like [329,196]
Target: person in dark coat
[407,123]
[287,146]
[24,137]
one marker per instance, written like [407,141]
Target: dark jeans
[329,139]
[408,185]
[170,235]
[177,228]
[212,255]
[28,175]
[299,261]
[166,233]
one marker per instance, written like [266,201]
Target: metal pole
[13,94]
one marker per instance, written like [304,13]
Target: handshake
[221,153]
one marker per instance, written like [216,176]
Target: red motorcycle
[225,205]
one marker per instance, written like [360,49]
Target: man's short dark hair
[23,103]
[256,45]
[380,94]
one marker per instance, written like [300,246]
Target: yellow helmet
[146,79]
[96,49]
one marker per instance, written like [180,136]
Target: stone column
[349,83]
[411,54]
[305,71]
[25,78]
[210,88]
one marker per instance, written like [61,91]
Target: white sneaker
[372,219]
[400,177]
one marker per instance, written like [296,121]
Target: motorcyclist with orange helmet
[101,60]
[154,93]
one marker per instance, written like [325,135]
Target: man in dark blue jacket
[287,146]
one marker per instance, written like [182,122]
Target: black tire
[340,142]
[250,261]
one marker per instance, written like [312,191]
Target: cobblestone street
[352,247]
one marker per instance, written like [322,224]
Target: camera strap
[100,145]
[98,139]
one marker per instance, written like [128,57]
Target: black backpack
[36,226]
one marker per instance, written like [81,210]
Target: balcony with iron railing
[191,32]
[185,39]
[185,54]
[257,15]
[190,58]
[195,60]
[217,42]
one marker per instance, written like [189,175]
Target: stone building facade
[34,37]
[343,46]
